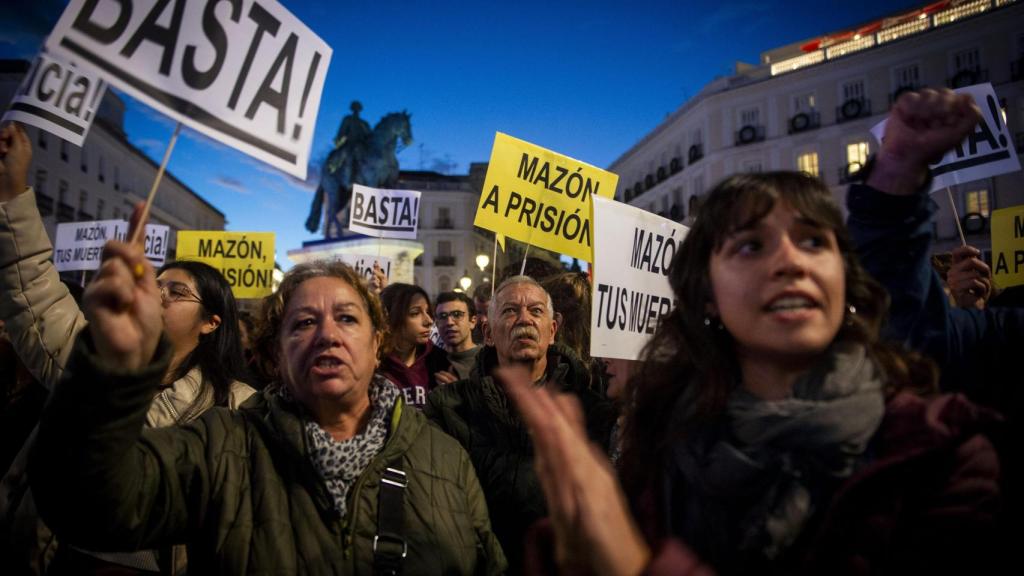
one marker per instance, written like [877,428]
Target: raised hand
[379,281]
[15,158]
[594,530]
[122,304]
[922,126]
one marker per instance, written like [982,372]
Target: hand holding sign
[15,157]
[123,306]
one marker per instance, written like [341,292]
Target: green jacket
[237,486]
[478,414]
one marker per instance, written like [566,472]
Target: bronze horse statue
[370,162]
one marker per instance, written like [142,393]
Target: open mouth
[789,303]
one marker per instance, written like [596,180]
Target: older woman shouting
[328,473]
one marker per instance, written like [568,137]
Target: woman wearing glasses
[200,318]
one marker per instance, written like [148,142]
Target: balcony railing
[749,134]
[444,224]
[444,260]
[852,109]
[804,121]
[968,77]
[696,153]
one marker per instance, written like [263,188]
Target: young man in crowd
[456,317]
[521,331]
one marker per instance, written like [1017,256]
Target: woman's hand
[15,158]
[122,304]
[379,281]
[593,528]
[921,128]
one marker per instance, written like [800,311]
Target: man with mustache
[520,331]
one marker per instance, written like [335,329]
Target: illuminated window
[808,163]
[857,152]
[976,201]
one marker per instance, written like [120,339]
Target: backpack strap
[389,547]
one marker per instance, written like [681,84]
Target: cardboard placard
[384,213]
[246,259]
[79,245]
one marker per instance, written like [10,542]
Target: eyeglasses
[171,291]
[454,315]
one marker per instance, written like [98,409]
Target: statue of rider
[353,132]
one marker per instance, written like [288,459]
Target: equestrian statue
[360,156]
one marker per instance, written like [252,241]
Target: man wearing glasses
[455,317]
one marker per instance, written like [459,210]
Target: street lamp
[482,260]
[465,281]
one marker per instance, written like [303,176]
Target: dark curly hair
[685,355]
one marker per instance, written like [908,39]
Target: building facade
[450,241]
[107,176]
[810,105]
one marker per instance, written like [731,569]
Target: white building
[450,242]
[107,176]
[810,105]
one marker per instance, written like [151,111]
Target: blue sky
[585,78]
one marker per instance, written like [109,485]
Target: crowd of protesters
[820,401]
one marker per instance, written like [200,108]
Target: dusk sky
[584,78]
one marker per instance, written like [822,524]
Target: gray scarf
[777,462]
[341,463]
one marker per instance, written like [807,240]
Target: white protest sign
[246,73]
[79,245]
[363,265]
[384,213]
[632,253]
[986,152]
[57,97]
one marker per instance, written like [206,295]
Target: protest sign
[79,245]
[363,265]
[631,290]
[246,73]
[986,152]
[384,213]
[57,97]
[541,197]
[1008,246]
[246,259]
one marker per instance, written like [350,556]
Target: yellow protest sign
[246,259]
[541,197]
[1008,246]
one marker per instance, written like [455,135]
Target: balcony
[444,260]
[65,212]
[749,135]
[44,203]
[696,153]
[967,77]
[848,173]
[853,109]
[444,224]
[675,165]
[804,121]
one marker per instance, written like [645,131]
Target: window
[117,213]
[808,162]
[444,248]
[117,178]
[101,175]
[750,117]
[857,152]
[85,160]
[966,60]
[42,139]
[83,199]
[906,76]
[853,90]
[40,181]
[444,284]
[443,213]
[752,166]
[99,208]
[976,201]
[803,103]
[62,192]
[64,150]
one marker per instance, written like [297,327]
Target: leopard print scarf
[341,463]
